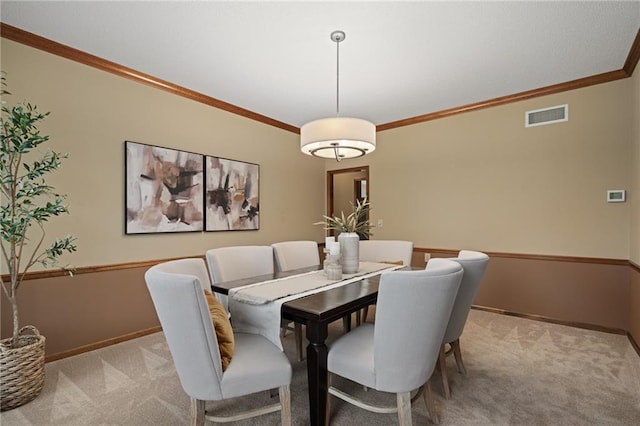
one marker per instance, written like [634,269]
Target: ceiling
[399,59]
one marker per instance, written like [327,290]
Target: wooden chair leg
[404,408]
[328,404]
[442,362]
[197,412]
[432,410]
[285,402]
[455,346]
[365,312]
[298,337]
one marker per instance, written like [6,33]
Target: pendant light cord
[337,36]
[337,76]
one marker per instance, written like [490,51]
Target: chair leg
[298,336]
[431,406]
[285,402]
[442,362]
[404,408]
[365,312]
[327,411]
[455,345]
[197,412]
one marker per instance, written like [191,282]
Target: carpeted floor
[521,372]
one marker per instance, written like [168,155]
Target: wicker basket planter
[21,369]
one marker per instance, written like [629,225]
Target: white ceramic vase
[349,250]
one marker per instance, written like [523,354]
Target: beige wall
[94,112]
[482,180]
[477,180]
[634,200]
[634,187]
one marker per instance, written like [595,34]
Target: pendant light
[338,137]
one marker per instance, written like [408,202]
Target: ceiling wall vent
[540,117]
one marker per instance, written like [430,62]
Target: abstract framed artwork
[232,195]
[164,190]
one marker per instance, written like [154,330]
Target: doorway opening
[344,188]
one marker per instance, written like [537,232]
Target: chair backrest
[176,291]
[238,262]
[295,254]
[386,251]
[474,264]
[412,312]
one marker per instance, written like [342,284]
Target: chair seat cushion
[257,365]
[222,326]
[351,356]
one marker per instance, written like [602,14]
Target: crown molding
[543,91]
[15,34]
[633,57]
[29,39]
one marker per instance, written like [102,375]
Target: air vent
[544,116]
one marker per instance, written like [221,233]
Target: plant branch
[24,197]
[356,221]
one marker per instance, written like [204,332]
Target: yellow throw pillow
[222,325]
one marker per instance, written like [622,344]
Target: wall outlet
[380,223]
[427,256]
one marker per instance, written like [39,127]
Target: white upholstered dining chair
[386,251]
[390,251]
[177,289]
[238,262]
[290,255]
[474,264]
[398,353]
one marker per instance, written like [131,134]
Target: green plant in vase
[356,221]
[352,228]
[27,202]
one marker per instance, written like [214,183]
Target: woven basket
[21,369]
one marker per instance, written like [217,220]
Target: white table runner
[255,308]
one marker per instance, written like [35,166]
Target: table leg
[317,373]
[346,323]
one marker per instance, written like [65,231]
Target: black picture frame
[164,190]
[232,195]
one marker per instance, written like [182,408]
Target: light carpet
[520,372]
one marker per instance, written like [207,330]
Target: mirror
[344,187]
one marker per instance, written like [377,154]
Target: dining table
[316,311]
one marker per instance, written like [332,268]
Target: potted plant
[352,228]
[26,200]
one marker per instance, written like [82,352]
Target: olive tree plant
[27,202]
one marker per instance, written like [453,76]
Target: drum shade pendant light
[338,137]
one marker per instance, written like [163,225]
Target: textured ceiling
[399,60]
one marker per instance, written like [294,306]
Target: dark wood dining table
[316,312]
